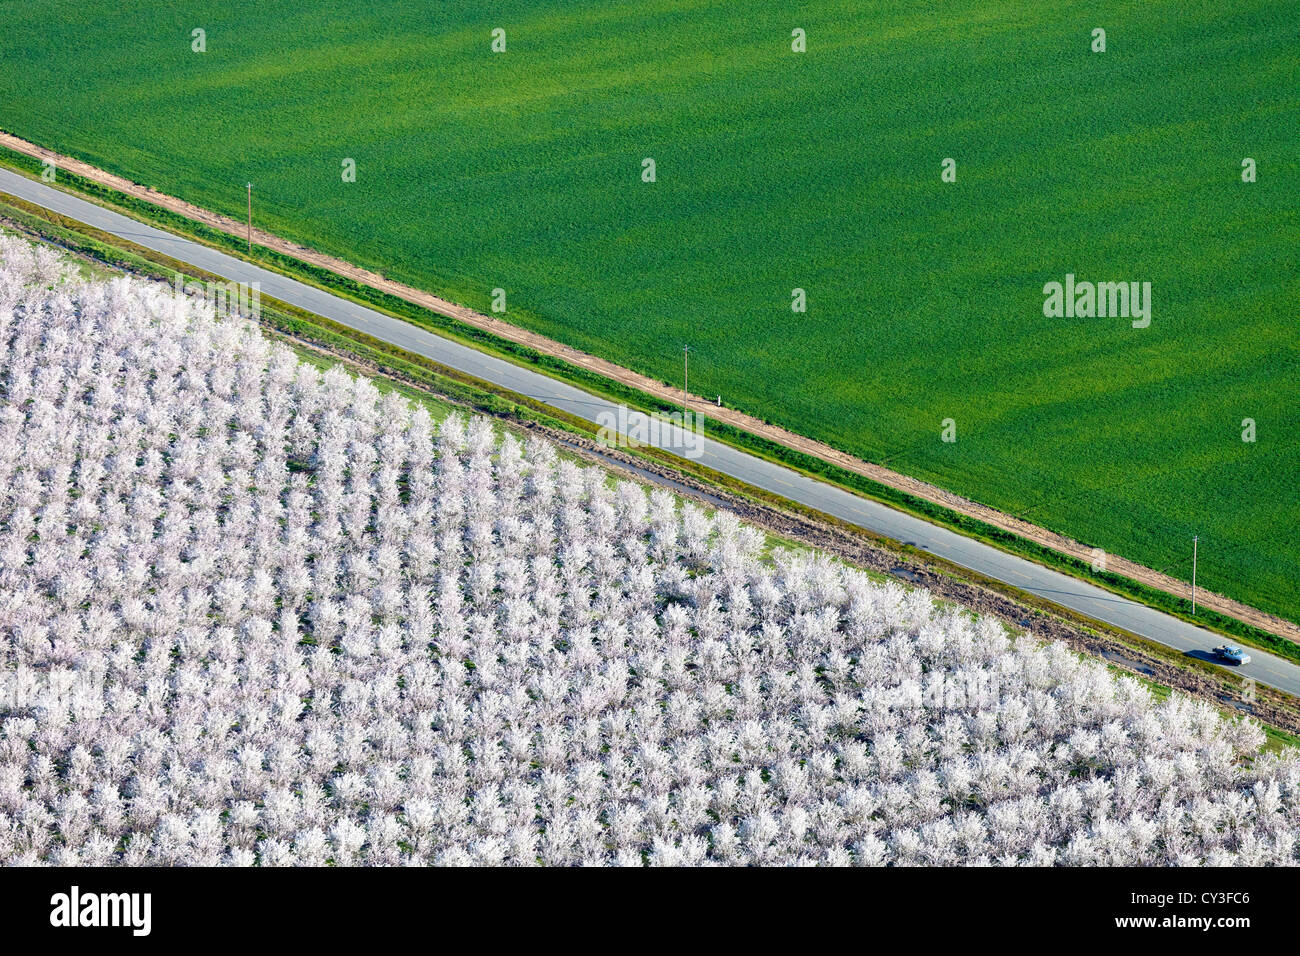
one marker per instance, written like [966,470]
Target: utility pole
[1195,538]
[250,219]
[686,380]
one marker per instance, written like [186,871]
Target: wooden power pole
[686,381]
[1195,538]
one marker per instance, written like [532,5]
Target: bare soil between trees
[884,476]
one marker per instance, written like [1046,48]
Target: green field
[778,170]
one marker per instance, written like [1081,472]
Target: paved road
[1077,595]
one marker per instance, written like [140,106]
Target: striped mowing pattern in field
[778,170]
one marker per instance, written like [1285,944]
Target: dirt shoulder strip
[658,390]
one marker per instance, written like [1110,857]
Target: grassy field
[778,170]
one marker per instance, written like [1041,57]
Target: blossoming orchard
[253,613]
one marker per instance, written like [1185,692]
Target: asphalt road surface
[1059,588]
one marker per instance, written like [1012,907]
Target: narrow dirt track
[539,343]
